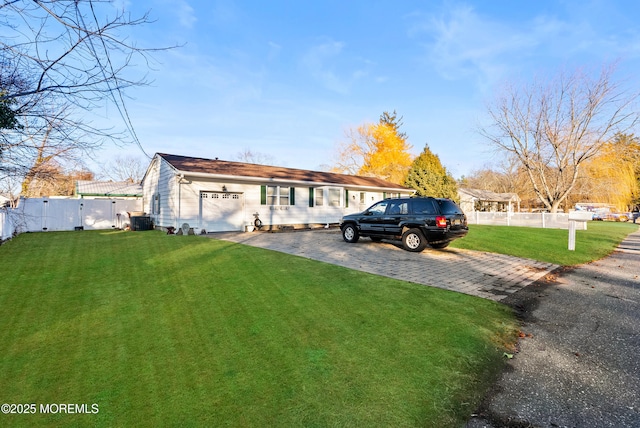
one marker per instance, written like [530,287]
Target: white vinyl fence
[5,225]
[51,214]
[543,220]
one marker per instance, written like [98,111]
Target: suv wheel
[350,233]
[413,240]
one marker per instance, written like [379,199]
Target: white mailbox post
[575,217]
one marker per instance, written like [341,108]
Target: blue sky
[288,78]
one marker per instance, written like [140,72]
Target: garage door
[221,211]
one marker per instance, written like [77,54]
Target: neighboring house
[472,200]
[108,189]
[216,195]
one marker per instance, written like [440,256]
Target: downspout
[180,178]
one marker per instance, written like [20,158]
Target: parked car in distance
[417,222]
[612,216]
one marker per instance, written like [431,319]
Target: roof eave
[282,180]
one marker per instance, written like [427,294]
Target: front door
[396,215]
[372,220]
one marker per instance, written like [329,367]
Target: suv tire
[350,233]
[413,240]
[440,245]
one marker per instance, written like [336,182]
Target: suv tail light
[441,221]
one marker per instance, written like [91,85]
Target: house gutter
[115,195]
[283,180]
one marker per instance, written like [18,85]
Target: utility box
[141,223]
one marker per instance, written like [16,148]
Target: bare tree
[249,156]
[553,129]
[55,180]
[49,142]
[125,168]
[58,59]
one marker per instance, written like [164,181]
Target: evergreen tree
[428,177]
[392,120]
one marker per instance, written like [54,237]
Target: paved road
[491,276]
[578,365]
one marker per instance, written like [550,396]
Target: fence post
[44,214]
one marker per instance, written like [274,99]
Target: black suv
[416,221]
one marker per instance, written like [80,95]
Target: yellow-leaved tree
[376,150]
[612,175]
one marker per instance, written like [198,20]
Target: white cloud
[320,62]
[327,63]
[462,43]
[274,51]
[186,14]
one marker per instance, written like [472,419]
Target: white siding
[180,201]
[161,181]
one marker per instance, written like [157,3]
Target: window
[379,208]
[277,195]
[449,207]
[423,206]
[334,197]
[398,207]
[319,197]
[155,208]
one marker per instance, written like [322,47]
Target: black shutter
[263,195]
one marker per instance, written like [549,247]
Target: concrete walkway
[487,275]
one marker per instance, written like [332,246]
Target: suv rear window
[449,207]
[423,206]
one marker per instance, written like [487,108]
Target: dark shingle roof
[220,167]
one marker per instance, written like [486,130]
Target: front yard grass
[162,330]
[547,245]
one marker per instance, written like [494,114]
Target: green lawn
[548,245]
[163,330]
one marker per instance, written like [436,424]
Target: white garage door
[221,211]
